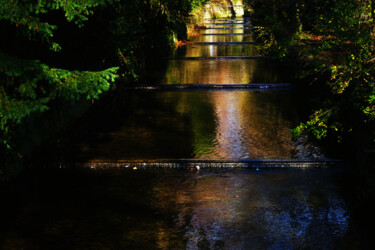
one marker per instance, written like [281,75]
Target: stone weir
[197,164]
[259,86]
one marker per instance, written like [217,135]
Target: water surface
[155,208]
[229,38]
[244,71]
[175,209]
[201,124]
[227,30]
[216,51]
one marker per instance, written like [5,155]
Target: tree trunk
[233,13]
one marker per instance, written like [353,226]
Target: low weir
[198,164]
[259,86]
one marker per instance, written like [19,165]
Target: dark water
[209,124]
[191,124]
[176,209]
[159,208]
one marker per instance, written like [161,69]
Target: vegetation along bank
[329,48]
[58,55]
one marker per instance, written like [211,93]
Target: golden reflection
[224,31]
[242,71]
[218,51]
[247,125]
[227,39]
[207,203]
[163,237]
[212,50]
[219,124]
[210,72]
[202,193]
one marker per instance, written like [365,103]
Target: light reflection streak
[221,72]
[223,50]
[246,127]
[212,50]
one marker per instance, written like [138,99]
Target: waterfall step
[242,23]
[198,164]
[223,58]
[227,19]
[228,28]
[226,34]
[222,43]
[261,86]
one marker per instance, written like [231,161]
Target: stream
[57,205]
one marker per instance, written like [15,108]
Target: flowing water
[213,71]
[215,51]
[193,124]
[196,123]
[176,209]
[153,207]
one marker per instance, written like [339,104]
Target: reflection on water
[219,124]
[232,38]
[232,26]
[249,127]
[215,50]
[221,72]
[225,31]
[240,71]
[174,209]
[217,35]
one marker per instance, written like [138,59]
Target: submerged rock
[305,149]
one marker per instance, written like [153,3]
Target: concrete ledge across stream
[221,43]
[226,19]
[230,23]
[226,34]
[222,58]
[198,164]
[228,28]
[262,86]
